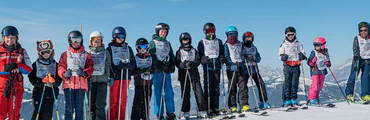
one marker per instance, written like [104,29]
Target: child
[143,83]
[162,54]
[235,70]
[99,78]
[211,52]
[14,62]
[43,66]
[123,63]
[291,52]
[252,58]
[318,61]
[75,66]
[187,62]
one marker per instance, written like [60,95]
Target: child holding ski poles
[211,52]
[143,81]
[162,54]
[291,52]
[318,61]
[123,63]
[235,71]
[45,92]
[75,66]
[99,78]
[187,62]
[14,62]
[253,57]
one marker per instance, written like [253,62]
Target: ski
[286,109]
[366,102]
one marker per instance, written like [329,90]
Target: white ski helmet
[96,34]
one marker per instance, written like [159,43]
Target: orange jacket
[73,82]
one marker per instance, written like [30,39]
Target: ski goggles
[119,36]
[76,39]
[144,46]
[288,35]
[210,30]
[363,30]
[232,34]
[318,44]
[46,51]
[96,38]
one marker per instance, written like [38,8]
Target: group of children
[81,72]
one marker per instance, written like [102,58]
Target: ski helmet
[290,29]
[75,35]
[141,41]
[45,46]
[231,29]
[10,30]
[185,35]
[320,41]
[162,26]
[208,25]
[96,35]
[248,34]
[118,31]
[363,24]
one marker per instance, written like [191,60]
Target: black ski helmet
[161,26]
[290,29]
[74,34]
[363,24]
[118,30]
[9,30]
[140,41]
[185,35]
[208,25]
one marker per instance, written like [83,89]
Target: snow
[343,111]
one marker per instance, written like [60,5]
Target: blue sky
[335,20]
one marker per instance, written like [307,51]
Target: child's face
[364,32]
[317,48]
[142,51]
[76,45]
[10,40]
[290,35]
[248,38]
[46,55]
[120,40]
[185,41]
[162,33]
[96,43]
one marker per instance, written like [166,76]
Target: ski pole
[304,83]
[259,82]
[120,95]
[183,93]
[338,84]
[191,85]
[354,89]
[223,87]
[250,76]
[90,90]
[70,94]
[162,92]
[145,101]
[208,90]
[127,94]
[230,87]
[42,98]
[55,100]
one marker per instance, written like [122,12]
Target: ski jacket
[292,49]
[211,49]
[102,64]
[159,48]
[119,53]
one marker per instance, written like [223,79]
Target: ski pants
[114,100]
[237,80]
[97,102]
[46,111]
[351,81]
[316,86]
[214,86]
[261,86]
[138,107]
[6,108]
[74,103]
[365,80]
[168,97]
[291,82]
[197,88]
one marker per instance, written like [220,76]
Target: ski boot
[366,98]
[264,105]
[294,102]
[350,98]
[186,115]
[160,117]
[245,108]
[203,114]
[287,103]
[233,110]
[215,112]
[314,102]
[171,116]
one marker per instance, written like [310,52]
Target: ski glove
[327,63]
[80,72]
[284,57]
[355,65]
[111,81]
[169,69]
[68,74]
[7,89]
[9,67]
[122,65]
[188,64]
[205,60]
[301,56]
[233,68]
[223,59]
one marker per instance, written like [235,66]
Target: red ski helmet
[320,41]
